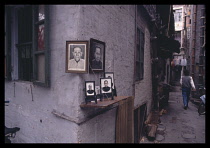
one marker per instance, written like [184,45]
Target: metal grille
[25,43]
[25,61]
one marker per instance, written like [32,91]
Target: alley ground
[178,125]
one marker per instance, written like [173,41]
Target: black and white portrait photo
[90,88]
[110,75]
[106,85]
[76,56]
[97,55]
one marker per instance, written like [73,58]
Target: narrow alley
[178,125]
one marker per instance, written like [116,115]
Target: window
[24,46]
[202,21]
[178,15]
[40,45]
[140,55]
[188,32]
[31,27]
[203,13]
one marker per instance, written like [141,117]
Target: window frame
[24,44]
[46,51]
[139,59]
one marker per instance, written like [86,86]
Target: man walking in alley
[187,83]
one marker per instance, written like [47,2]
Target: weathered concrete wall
[114,25]
[35,119]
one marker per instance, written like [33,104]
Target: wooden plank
[124,121]
[130,119]
[104,103]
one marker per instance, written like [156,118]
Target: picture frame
[77,56]
[90,91]
[97,56]
[106,87]
[110,74]
[89,88]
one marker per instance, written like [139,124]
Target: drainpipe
[169,21]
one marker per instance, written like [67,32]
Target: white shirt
[73,65]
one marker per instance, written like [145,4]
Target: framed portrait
[106,85]
[89,88]
[97,55]
[97,90]
[110,75]
[76,56]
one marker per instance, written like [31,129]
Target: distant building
[190,27]
[197,43]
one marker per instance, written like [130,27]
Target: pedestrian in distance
[187,85]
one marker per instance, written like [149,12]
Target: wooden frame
[76,56]
[44,81]
[97,55]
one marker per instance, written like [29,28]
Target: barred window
[31,28]
[24,46]
[140,55]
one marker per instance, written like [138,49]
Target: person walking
[187,84]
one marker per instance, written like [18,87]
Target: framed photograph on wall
[97,55]
[110,75]
[76,56]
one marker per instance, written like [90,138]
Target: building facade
[196,44]
[39,88]
[192,36]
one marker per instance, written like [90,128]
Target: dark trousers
[186,95]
